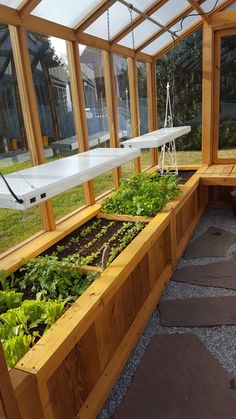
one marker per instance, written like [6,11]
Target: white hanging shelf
[157,138]
[39,183]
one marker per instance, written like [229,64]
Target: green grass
[16,226]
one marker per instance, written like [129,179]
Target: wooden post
[152,108]
[207,93]
[112,112]
[7,397]
[29,109]
[77,92]
[134,111]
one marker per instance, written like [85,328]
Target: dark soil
[185,175]
[85,245]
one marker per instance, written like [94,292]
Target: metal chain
[131,21]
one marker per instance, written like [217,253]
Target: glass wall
[50,71]
[123,103]
[96,109]
[143,109]
[227,123]
[182,68]
[15,226]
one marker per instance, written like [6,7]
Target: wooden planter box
[73,367]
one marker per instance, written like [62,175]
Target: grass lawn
[16,226]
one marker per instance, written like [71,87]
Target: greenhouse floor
[220,341]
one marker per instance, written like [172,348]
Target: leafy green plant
[9,299]
[7,281]
[16,347]
[51,277]
[142,194]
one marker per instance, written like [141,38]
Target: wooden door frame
[216,95]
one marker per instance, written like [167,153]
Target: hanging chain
[131,21]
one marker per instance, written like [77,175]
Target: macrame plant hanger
[168,150]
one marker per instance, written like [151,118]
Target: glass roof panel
[147,28]
[68,13]
[233,6]
[164,39]
[142,5]
[208,5]
[141,33]
[11,3]
[171,9]
[158,44]
[119,18]
[190,19]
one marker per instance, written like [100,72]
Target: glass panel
[143,109]
[182,69]
[52,87]
[227,127]
[119,17]
[183,25]
[122,87]
[96,108]
[232,7]
[68,13]
[142,5]
[209,5]
[15,226]
[158,44]
[171,9]
[11,3]
[141,33]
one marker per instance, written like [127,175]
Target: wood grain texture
[9,405]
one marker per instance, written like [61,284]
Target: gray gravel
[220,341]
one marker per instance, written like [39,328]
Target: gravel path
[220,341]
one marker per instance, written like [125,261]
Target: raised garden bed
[72,368]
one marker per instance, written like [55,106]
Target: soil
[185,175]
[74,243]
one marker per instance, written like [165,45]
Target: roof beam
[152,9]
[27,7]
[93,15]
[199,10]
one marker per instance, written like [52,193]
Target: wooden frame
[216,95]
[207,93]
[134,109]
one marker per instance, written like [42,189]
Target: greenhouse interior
[117,209]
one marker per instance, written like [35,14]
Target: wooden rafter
[93,15]
[27,7]
[152,9]
[199,10]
